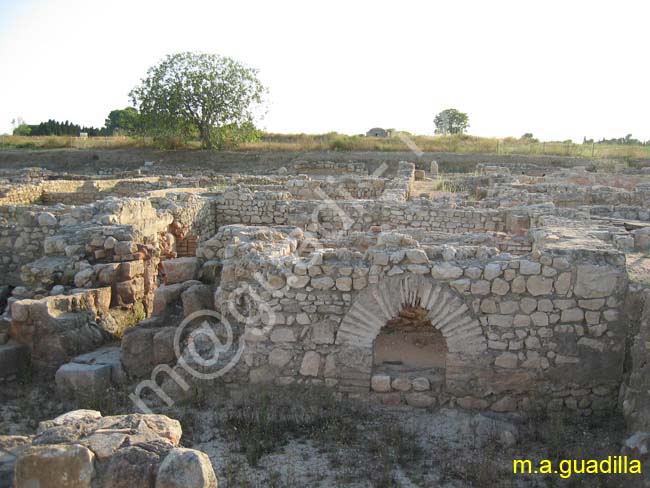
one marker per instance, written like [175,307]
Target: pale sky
[559,69]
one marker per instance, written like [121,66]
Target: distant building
[378,132]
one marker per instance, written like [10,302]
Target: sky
[557,69]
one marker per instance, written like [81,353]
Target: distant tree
[66,128]
[451,121]
[190,94]
[20,128]
[125,121]
[528,137]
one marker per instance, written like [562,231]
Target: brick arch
[382,302]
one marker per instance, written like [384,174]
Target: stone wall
[329,167]
[24,194]
[244,207]
[335,189]
[567,194]
[636,391]
[57,328]
[39,241]
[85,191]
[540,331]
[22,233]
[619,212]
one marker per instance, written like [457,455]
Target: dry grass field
[461,144]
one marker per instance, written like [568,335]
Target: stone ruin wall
[530,301]
[521,333]
[535,333]
[565,194]
[276,208]
[111,249]
[22,236]
[329,167]
[635,391]
[81,191]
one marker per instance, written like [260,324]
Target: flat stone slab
[108,356]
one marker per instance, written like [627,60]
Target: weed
[235,473]
[265,419]
[113,401]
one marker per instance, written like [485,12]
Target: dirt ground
[278,438]
[435,189]
[172,162]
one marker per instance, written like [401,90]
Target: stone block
[186,468]
[506,360]
[421,384]
[380,383]
[505,404]
[391,398]
[297,281]
[123,248]
[416,256]
[82,381]
[130,291]
[47,219]
[283,334]
[401,384]
[14,359]
[323,332]
[279,358]
[107,274]
[110,356]
[471,403]
[130,269]
[322,283]
[163,346]
[596,281]
[446,271]
[500,287]
[165,295]
[344,283]
[310,364]
[55,466]
[180,270]
[539,285]
[527,267]
[137,351]
[196,297]
[420,400]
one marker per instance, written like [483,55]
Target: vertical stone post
[434,169]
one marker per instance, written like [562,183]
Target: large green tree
[205,95]
[451,121]
[125,121]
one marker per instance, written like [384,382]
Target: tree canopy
[451,121]
[123,121]
[205,95]
[55,128]
[20,127]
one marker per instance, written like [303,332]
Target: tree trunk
[206,143]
